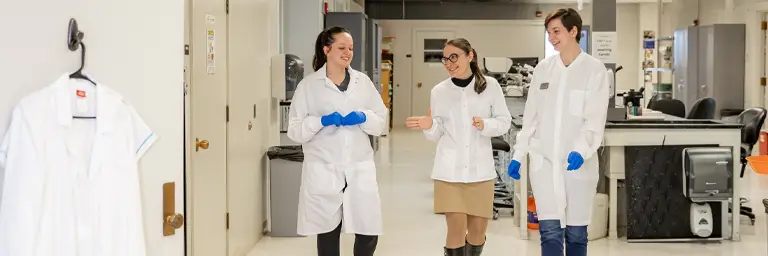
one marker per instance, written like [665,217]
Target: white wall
[501,38]
[495,38]
[133,47]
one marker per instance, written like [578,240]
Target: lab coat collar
[104,104]
[575,61]
[354,78]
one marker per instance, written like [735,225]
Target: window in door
[433,50]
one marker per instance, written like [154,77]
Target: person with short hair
[563,125]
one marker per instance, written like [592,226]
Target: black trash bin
[283,185]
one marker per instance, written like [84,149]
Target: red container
[763,143]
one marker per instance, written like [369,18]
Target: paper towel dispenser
[287,72]
[707,173]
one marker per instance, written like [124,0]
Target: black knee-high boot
[474,250]
[461,251]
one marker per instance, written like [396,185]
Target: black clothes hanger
[75,40]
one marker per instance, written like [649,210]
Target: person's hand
[354,118]
[575,160]
[514,169]
[331,119]
[420,122]
[478,123]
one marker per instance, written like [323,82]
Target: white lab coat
[463,153]
[71,186]
[566,111]
[334,155]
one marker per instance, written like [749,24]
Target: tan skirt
[474,199]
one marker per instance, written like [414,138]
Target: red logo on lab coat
[81,93]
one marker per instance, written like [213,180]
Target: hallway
[411,229]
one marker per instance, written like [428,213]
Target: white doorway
[427,68]
[206,127]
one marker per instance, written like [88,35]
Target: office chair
[653,100]
[504,197]
[704,108]
[670,107]
[753,120]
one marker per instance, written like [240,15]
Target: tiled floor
[411,229]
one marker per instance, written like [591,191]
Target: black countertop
[516,107]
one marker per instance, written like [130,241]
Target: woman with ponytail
[332,113]
[462,120]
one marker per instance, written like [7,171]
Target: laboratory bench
[646,156]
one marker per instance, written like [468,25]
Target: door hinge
[764,25]
[227,113]
[227,220]
[762,81]
[227,7]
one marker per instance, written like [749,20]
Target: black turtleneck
[462,82]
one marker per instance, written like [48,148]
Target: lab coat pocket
[576,102]
[323,179]
[364,177]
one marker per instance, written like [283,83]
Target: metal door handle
[171,220]
[419,85]
[201,144]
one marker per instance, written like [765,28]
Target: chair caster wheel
[495,216]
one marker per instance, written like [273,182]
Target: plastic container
[533,219]
[759,164]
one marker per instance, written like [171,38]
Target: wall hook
[75,36]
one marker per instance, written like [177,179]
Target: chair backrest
[704,108]
[653,100]
[753,120]
[670,107]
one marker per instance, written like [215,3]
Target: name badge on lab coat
[544,86]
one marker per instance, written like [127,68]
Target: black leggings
[328,243]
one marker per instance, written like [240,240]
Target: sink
[682,121]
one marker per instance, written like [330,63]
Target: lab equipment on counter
[513,74]
[291,68]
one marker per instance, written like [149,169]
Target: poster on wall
[210,52]
[604,46]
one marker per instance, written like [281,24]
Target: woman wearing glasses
[466,110]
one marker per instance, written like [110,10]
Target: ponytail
[324,39]
[480,82]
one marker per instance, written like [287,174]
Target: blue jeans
[552,239]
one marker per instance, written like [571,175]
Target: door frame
[189,135]
[755,60]
[414,46]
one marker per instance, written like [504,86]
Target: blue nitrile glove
[514,169]
[354,118]
[331,119]
[575,160]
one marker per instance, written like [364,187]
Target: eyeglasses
[453,58]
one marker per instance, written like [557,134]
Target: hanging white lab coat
[565,111]
[335,156]
[463,153]
[71,186]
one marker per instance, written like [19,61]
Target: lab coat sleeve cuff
[518,156]
[314,124]
[434,132]
[581,148]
